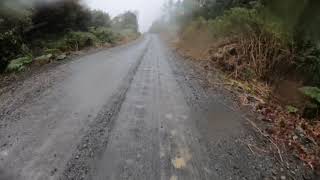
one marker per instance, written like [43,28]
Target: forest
[269,53]
[40,30]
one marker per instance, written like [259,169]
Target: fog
[148,10]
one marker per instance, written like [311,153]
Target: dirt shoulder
[264,144]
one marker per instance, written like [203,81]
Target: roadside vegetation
[38,31]
[270,53]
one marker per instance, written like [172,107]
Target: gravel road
[130,112]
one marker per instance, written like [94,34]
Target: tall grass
[264,44]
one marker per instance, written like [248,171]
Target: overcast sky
[148,10]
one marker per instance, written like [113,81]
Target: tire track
[96,138]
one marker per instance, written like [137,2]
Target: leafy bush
[100,19]
[262,44]
[10,46]
[60,16]
[105,35]
[127,20]
[59,44]
[312,92]
[308,62]
[311,110]
[128,34]
[247,22]
[39,27]
[197,25]
[79,40]
[19,64]
[53,51]
[292,109]
[237,21]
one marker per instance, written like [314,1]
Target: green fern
[311,92]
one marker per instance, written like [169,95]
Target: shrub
[60,16]
[312,92]
[308,62]
[237,21]
[60,44]
[10,46]
[263,44]
[53,51]
[79,40]
[128,33]
[105,35]
[195,26]
[248,22]
[19,64]
[311,110]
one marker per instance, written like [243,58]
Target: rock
[274,172]
[232,51]
[283,178]
[54,171]
[263,118]
[45,59]
[267,120]
[206,67]
[61,57]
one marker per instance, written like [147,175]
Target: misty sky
[148,10]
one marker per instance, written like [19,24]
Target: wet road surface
[125,113]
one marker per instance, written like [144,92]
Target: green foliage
[13,19]
[19,64]
[196,26]
[79,40]
[247,22]
[42,27]
[104,35]
[13,16]
[248,74]
[52,51]
[60,44]
[128,33]
[127,20]
[60,16]
[292,109]
[10,46]
[312,92]
[299,16]
[100,19]
[311,110]
[308,62]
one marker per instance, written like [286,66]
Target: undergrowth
[253,46]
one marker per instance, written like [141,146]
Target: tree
[127,20]
[100,18]
[60,15]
